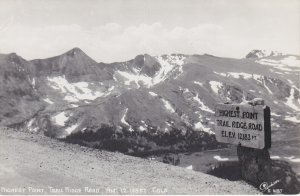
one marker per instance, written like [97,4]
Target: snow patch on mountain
[70,99]
[123,117]
[111,88]
[131,77]
[266,87]
[292,119]
[275,157]
[30,126]
[284,64]
[238,75]
[70,129]
[291,82]
[221,74]
[168,106]
[168,63]
[74,92]
[186,90]
[198,83]
[258,78]
[274,114]
[60,119]
[276,64]
[200,126]
[275,125]
[189,167]
[124,121]
[219,158]
[202,105]
[215,86]
[48,101]
[293,159]
[153,94]
[263,53]
[296,160]
[141,128]
[136,71]
[33,82]
[291,61]
[291,100]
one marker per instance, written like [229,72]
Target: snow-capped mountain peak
[262,53]
[145,70]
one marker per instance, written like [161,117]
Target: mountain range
[147,104]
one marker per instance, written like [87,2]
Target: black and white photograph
[149,97]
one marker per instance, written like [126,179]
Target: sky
[118,30]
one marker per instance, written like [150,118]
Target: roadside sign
[243,124]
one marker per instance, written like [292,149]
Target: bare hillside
[30,161]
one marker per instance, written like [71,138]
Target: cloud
[114,42]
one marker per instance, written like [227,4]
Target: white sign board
[243,124]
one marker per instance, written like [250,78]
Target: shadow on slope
[288,181]
[144,143]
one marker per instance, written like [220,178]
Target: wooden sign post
[249,127]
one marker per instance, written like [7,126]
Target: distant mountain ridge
[145,104]
[262,53]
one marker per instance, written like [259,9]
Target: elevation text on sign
[243,124]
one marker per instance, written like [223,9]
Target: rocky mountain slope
[149,103]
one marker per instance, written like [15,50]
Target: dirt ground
[35,164]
